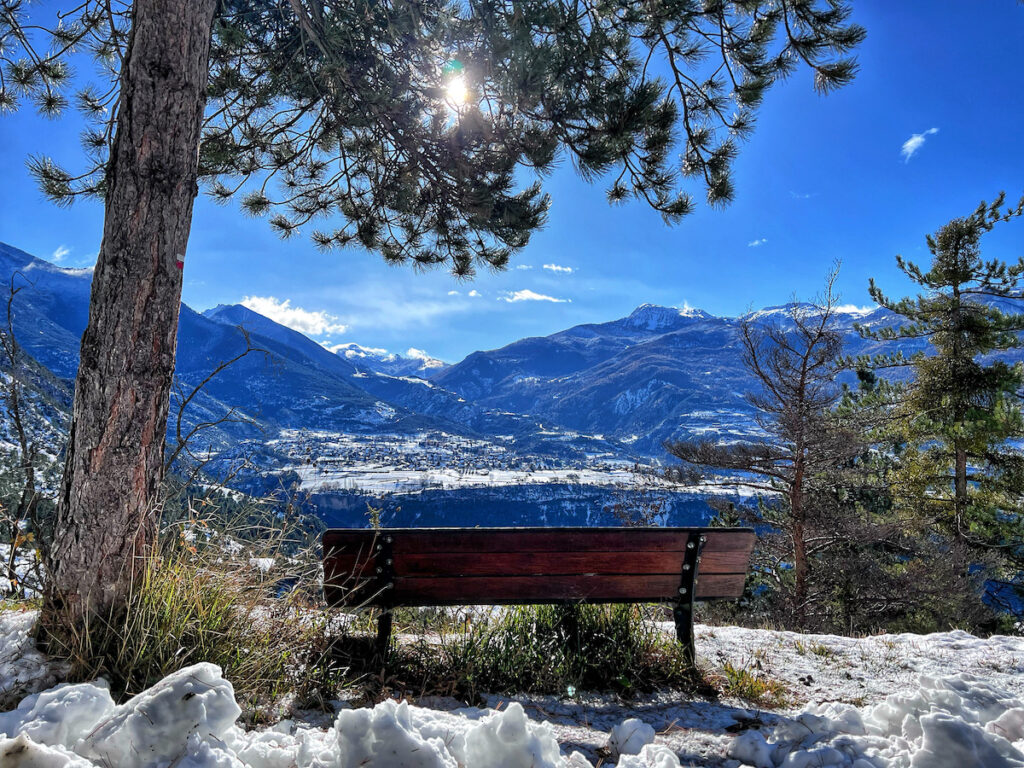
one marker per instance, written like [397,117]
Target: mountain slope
[658,374]
[295,382]
[438,407]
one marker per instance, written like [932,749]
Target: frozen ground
[948,700]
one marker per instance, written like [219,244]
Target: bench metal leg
[682,611]
[683,615]
[383,635]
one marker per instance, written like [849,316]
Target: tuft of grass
[816,648]
[822,650]
[754,687]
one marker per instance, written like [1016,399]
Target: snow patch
[935,701]
[23,669]
[952,722]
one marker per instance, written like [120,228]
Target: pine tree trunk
[959,551]
[960,490]
[106,513]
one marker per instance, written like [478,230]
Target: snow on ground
[23,670]
[326,462]
[947,700]
[381,478]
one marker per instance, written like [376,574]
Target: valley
[547,430]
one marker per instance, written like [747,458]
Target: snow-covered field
[948,700]
[380,478]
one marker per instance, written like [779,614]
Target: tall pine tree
[403,127]
[961,412]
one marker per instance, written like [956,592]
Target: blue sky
[823,178]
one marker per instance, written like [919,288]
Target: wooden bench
[509,566]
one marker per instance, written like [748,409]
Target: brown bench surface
[477,566]
[450,566]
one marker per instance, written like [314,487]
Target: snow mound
[60,716]
[152,727]
[951,722]
[651,756]
[22,752]
[385,736]
[188,720]
[508,739]
[23,669]
[629,737]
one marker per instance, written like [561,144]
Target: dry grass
[754,687]
[204,597]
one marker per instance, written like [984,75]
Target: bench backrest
[453,566]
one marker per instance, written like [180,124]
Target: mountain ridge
[629,384]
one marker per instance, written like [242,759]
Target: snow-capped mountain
[651,317]
[660,373]
[415,362]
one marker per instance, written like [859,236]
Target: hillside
[657,374]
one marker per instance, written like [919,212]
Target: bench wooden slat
[537,563]
[427,540]
[461,590]
[512,590]
[563,563]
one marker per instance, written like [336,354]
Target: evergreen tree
[878,565]
[403,127]
[961,411]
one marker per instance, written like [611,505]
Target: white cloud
[853,309]
[528,295]
[524,266]
[393,306]
[474,294]
[757,243]
[309,322]
[914,143]
[801,195]
[60,254]
[558,268]
[453,293]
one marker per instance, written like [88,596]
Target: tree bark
[960,489]
[107,509]
[796,508]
